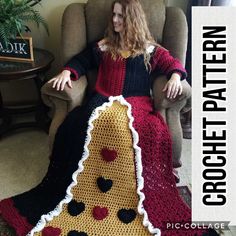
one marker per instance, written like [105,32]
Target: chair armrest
[170,110]
[62,102]
[73,96]
[160,100]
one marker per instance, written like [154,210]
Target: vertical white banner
[214,114]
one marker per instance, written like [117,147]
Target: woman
[113,147]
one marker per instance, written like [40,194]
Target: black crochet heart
[75,208]
[126,216]
[76,233]
[104,184]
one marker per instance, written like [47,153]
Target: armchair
[84,23]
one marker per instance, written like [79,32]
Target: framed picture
[19,49]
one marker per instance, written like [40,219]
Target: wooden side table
[25,71]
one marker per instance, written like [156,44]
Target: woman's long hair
[136,35]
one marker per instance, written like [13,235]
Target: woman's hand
[61,80]
[173,87]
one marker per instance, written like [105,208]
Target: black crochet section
[126,216]
[67,151]
[104,184]
[137,78]
[76,233]
[86,60]
[75,208]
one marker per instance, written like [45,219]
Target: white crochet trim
[103,47]
[140,181]
[150,49]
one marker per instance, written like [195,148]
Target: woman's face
[117,18]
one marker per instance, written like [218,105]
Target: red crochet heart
[108,155]
[100,213]
[51,231]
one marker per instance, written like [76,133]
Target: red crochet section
[108,155]
[100,213]
[13,218]
[51,231]
[162,201]
[163,61]
[111,76]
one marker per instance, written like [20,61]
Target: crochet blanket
[123,182]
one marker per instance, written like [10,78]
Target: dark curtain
[192,3]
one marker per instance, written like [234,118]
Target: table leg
[5,119]
[41,116]
[42,121]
